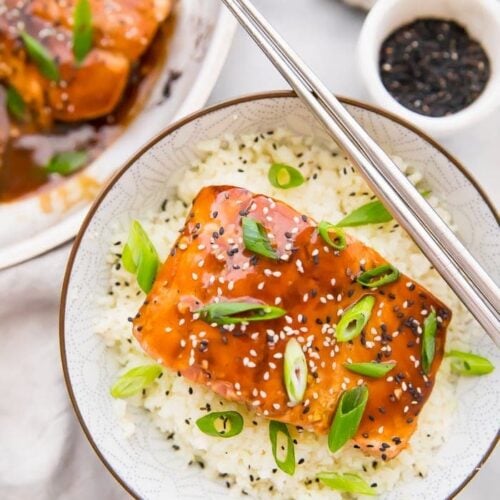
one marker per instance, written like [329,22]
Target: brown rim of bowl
[152,142]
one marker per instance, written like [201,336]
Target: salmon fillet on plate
[318,288]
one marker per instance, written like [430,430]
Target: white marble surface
[324,33]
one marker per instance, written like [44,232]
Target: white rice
[245,462]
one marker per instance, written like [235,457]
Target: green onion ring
[347,483]
[347,417]
[135,380]
[468,364]
[207,424]
[295,371]
[288,464]
[429,341]
[284,177]
[255,238]
[223,313]
[371,369]
[386,274]
[339,241]
[354,319]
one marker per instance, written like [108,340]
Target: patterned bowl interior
[145,464]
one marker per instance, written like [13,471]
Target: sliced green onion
[82,30]
[278,431]
[468,364]
[373,212]
[67,162]
[224,424]
[354,319]
[255,238]
[40,56]
[15,104]
[139,256]
[135,380]
[284,177]
[128,260]
[336,240]
[224,313]
[348,483]
[295,371]
[386,274]
[347,417]
[372,369]
[429,341]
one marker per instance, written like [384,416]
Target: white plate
[145,464]
[198,48]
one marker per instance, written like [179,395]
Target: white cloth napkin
[44,454]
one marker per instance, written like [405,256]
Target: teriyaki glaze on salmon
[251,280]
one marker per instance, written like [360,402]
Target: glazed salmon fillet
[122,31]
[314,284]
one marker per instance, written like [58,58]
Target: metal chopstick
[457,266]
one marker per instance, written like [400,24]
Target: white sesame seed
[266,376]
[276,406]
[278,355]
[300,267]
[381,429]
[261,285]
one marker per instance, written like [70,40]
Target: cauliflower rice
[245,462]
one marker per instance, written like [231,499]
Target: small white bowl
[481,18]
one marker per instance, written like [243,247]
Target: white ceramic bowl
[197,49]
[481,18]
[145,464]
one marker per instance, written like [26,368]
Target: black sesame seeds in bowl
[434,62]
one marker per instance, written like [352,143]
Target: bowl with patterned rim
[144,464]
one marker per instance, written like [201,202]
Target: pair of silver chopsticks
[452,260]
